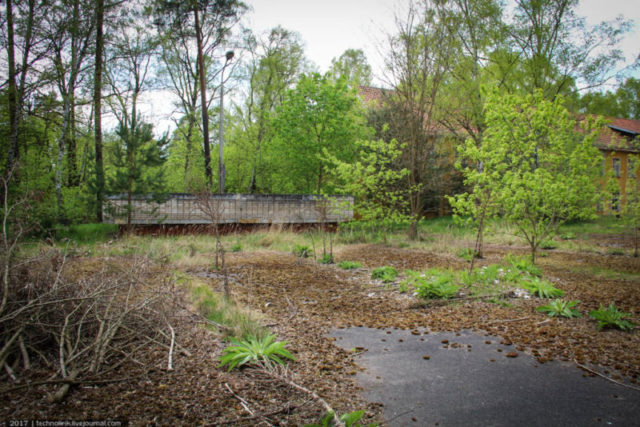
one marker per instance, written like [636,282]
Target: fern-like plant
[560,308]
[612,317]
[254,350]
[349,265]
[386,274]
[523,264]
[349,420]
[543,288]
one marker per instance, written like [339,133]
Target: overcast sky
[329,27]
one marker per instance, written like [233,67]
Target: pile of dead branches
[62,327]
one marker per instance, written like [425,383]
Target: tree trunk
[12,153]
[203,100]
[97,108]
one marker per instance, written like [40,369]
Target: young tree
[317,115]
[374,182]
[631,206]
[542,172]
[418,63]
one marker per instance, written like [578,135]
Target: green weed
[560,308]
[255,350]
[612,317]
[542,288]
[386,274]
[349,265]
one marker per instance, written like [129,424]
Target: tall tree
[418,64]
[557,48]
[276,61]
[69,28]
[352,66]
[209,23]
[128,75]
[97,108]
[317,116]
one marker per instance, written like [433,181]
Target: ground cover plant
[560,308]
[349,265]
[386,273]
[612,317]
[253,350]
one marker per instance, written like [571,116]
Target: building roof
[620,135]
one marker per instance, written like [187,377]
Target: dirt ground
[302,301]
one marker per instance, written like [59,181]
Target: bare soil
[302,301]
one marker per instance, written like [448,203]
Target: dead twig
[509,320]
[606,377]
[245,405]
[173,340]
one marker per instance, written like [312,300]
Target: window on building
[616,166]
[615,203]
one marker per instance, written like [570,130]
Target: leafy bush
[466,254]
[302,251]
[523,264]
[437,284]
[612,317]
[543,288]
[386,273]
[568,236]
[254,350]
[326,259]
[548,244]
[561,308]
[349,265]
[237,247]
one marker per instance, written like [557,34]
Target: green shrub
[466,254]
[568,236]
[437,284]
[543,288]
[302,251]
[548,244]
[326,259]
[560,308]
[523,264]
[237,247]
[254,350]
[349,265]
[612,317]
[386,273]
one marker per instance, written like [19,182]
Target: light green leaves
[254,350]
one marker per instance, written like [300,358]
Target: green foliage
[319,116]
[466,254]
[533,165]
[326,259]
[373,181]
[236,247]
[523,264]
[568,236]
[437,284]
[302,251]
[350,420]
[560,308]
[612,317]
[86,233]
[253,350]
[349,265]
[386,274]
[548,244]
[543,288]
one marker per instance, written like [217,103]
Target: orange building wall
[624,169]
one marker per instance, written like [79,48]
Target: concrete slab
[469,380]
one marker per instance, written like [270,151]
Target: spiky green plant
[386,273]
[523,264]
[612,317]
[560,308]
[437,284]
[254,350]
[302,251]
[542,288]
[349,265]
[326,259]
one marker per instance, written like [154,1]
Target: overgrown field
[281,284]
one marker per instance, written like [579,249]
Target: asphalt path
[466,379]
